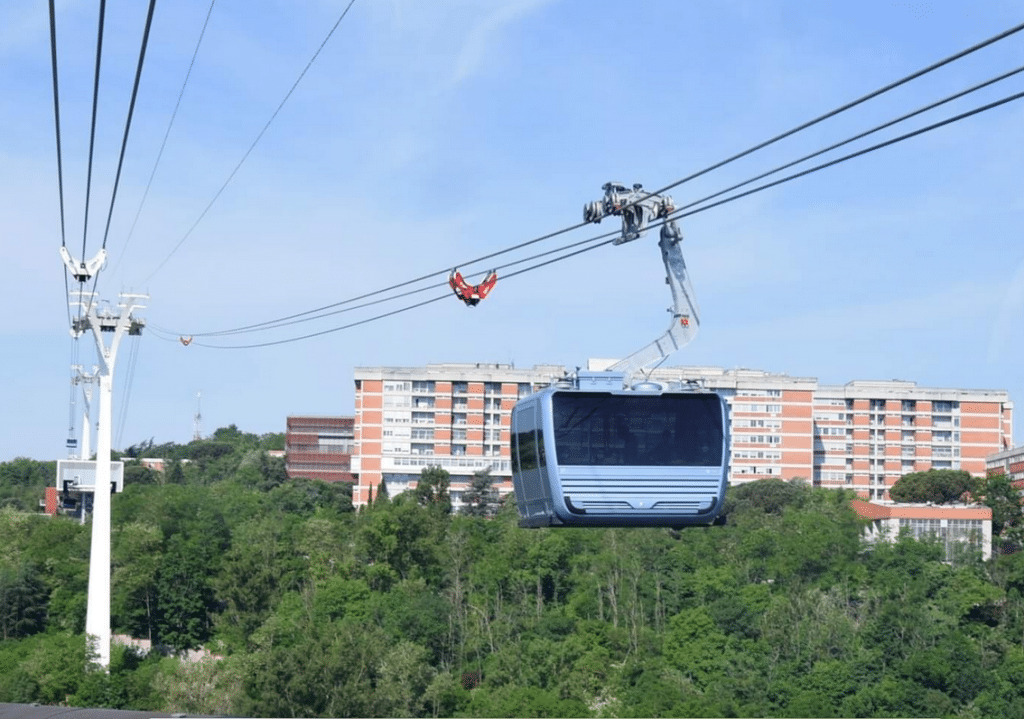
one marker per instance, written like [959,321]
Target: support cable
[912,76]
[672,216]
[859,136]
[263,326]
[92,132]
[128,122]
[56,121]
[253,145]
[60,161]
[167,134]
[124,142]
[401,309]
[844,158]
[122,420]
[762,145]
[320,312]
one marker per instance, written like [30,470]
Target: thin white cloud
[477,45]
[1010,317]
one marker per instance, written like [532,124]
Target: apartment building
[875,432]
[455,416]
[863,435]
[1009,462]
[319,448]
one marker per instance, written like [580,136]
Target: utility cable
[167,134]
[673,216]
[253,145]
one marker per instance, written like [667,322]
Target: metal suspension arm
[637,209]
[685,316]
[84,270]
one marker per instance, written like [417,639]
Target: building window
[459,418]
[942,406]
[458,434]
[422,417]
[423,434]
[458,450]
[460,387]
[422,448]
[423,387]
[908,405]
[524,389]
[492,388]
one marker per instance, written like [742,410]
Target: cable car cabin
[589,456]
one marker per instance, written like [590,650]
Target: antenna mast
[198,419]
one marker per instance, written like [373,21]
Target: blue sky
[426,134]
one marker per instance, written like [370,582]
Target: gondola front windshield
[668,430]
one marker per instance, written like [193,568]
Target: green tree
[998,493]
[185,598]
[770,496]
[481,498]
[432,489]
[137,554]
[934,485]
[23,601]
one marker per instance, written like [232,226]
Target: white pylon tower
[102,322]
[197,433]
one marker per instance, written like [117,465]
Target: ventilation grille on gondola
[605,505]
[692,506]
[632,486]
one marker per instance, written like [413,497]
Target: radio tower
[198,419]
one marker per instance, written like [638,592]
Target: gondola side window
[527,443]
[515,453]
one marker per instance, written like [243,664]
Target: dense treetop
[405,609]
